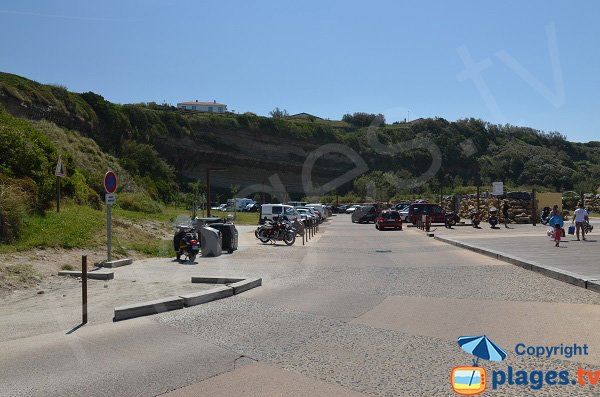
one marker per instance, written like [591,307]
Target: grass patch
[74,227]
[242,218]
[67,267]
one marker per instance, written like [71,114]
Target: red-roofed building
[210,107]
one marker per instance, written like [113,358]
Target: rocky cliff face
[253,159]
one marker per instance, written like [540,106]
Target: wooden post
[84,313]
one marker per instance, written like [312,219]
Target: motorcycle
[545,215]
[493,217]
[450,219]
[276,230]
[186,243]
[475,219]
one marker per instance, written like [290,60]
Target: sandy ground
[53,303]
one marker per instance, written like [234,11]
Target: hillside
[163,148]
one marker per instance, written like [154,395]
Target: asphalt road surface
[354,312]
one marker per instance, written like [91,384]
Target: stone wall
[592,202]
[520,205]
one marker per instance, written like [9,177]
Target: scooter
[450,219]
[185,242]
[545,215]
[493,217]
[475,219]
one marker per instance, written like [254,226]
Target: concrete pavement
[577,259]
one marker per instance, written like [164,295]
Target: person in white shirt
[580,217]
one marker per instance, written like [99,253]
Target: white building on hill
[210,107]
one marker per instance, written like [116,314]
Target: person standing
[505,208]
[557,234]
[580,217]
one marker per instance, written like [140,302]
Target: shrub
[14,203]
[138,202]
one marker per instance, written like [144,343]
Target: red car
[389,219]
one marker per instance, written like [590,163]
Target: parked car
[223,207]
[435,212]
[366,213]
[312,211]
[253,207]
[400,206]
[306,214]
[352,208]
[321,208]
[404,213]
[388,219]
[271,211]
[340,209]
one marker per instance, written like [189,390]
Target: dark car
[435,212]
[365,213]
[388,219]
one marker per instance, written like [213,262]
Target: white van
[268,211]
[240,204]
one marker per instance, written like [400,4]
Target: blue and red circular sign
[110,182]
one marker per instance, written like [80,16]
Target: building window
[193,107]
[220,109]
[210,109]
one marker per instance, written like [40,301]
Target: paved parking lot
[355,311]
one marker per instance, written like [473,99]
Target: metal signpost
[110,186]
[60,173]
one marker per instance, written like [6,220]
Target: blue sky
[533,63]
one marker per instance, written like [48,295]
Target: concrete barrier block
[97,275]
[198,298]
[147,308]
[245,285]
[217,280]
[117,263]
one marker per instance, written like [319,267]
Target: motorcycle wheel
[289,238]
[262,236]
[192,258]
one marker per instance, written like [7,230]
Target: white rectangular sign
[497,188]
[110,198]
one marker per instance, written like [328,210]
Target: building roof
[304,116]
[202,103]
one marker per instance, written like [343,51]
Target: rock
[41,292]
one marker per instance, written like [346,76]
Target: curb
[233,286]
[117,263]
[245,285]
[214,294]
[146,308]
[216,280]
[98,275]
[548,271]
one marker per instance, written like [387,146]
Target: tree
[361,119]
[278,113]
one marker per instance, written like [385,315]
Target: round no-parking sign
[110,182]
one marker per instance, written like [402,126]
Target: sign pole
[109,231]
[110,186]
[57,194]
